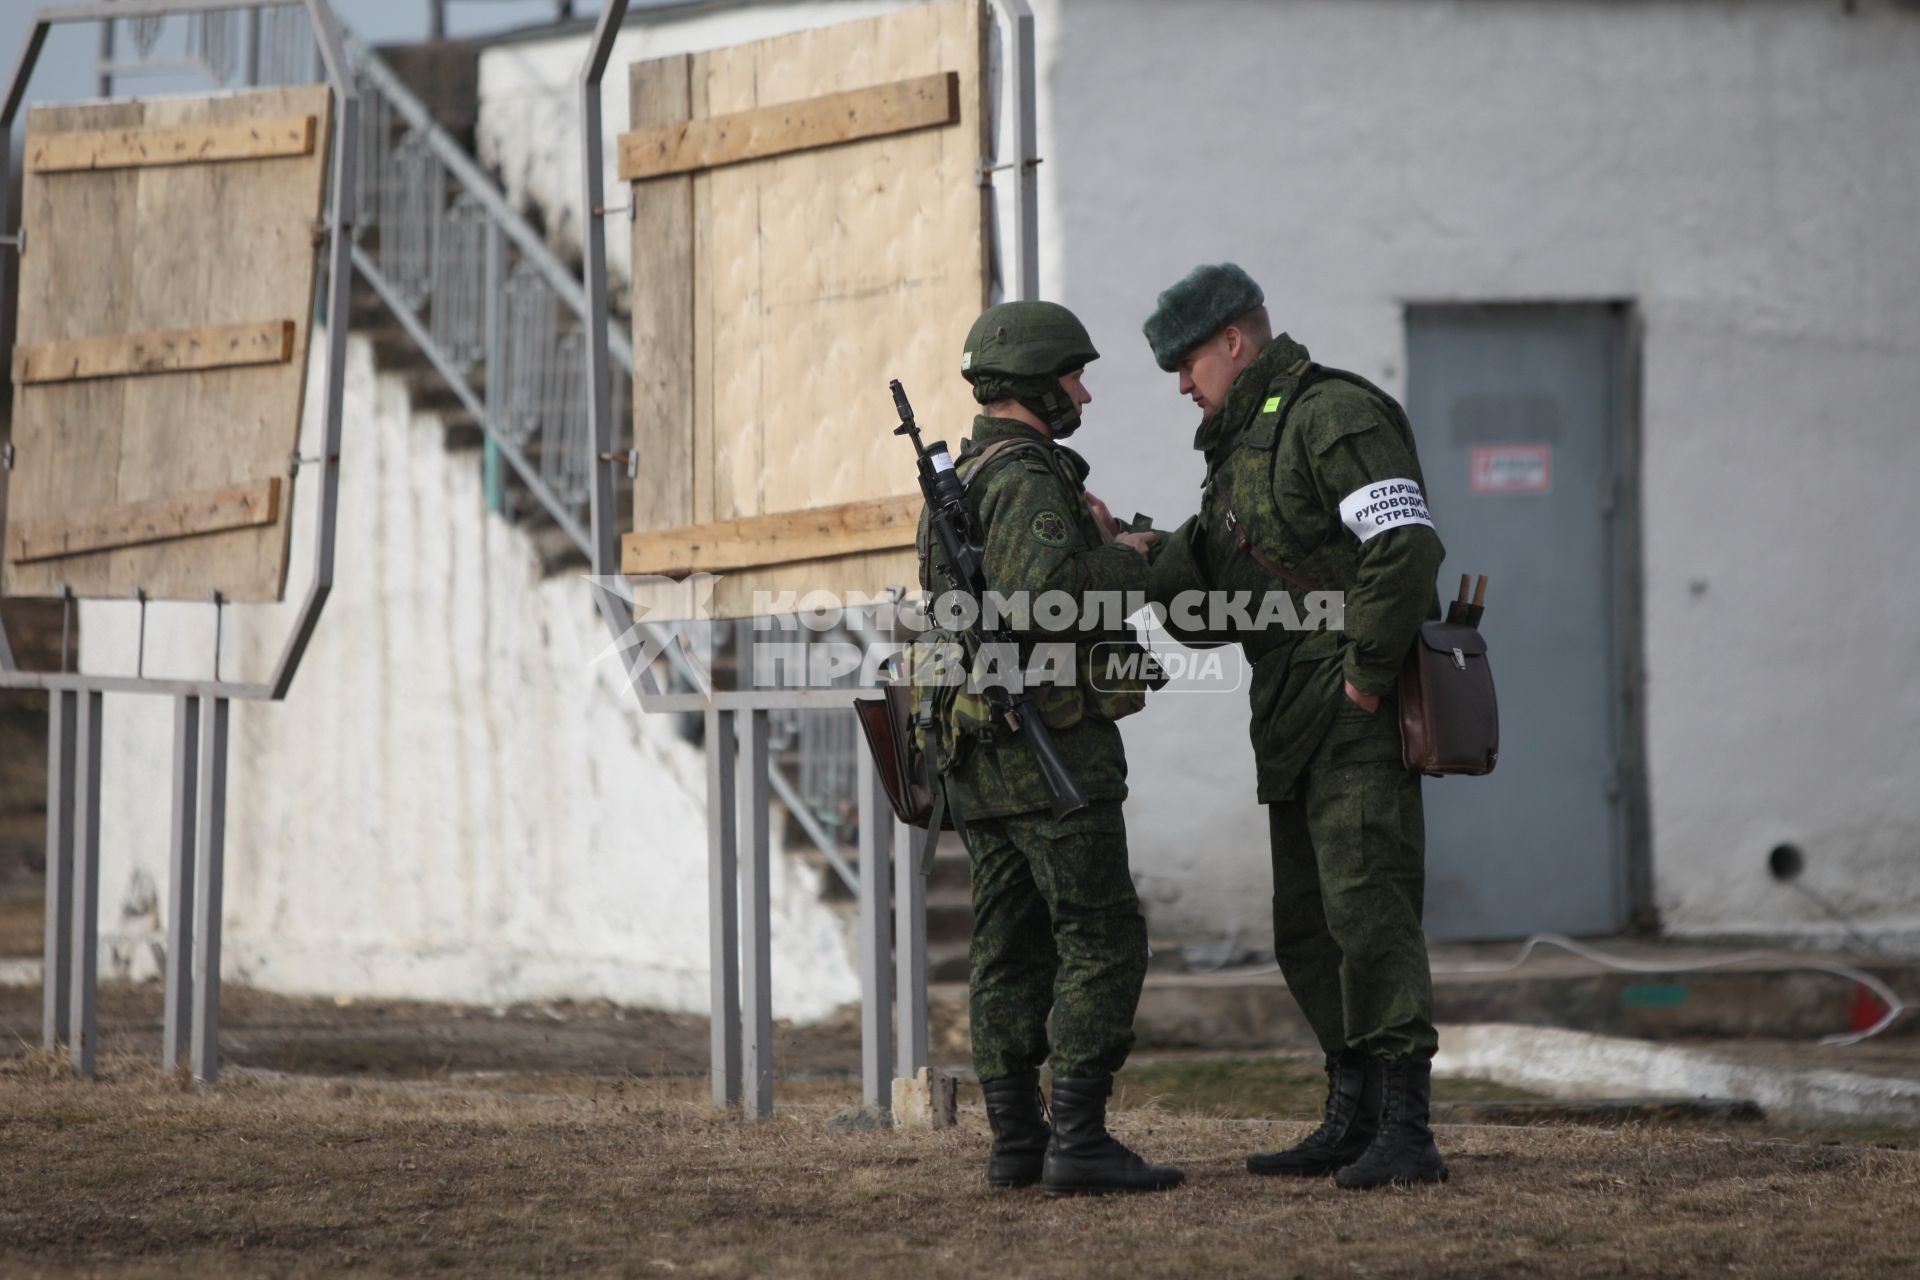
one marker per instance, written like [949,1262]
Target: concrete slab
[1574,1064]
[1662,994]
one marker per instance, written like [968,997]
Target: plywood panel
[663,323]
[148,250]
[820,275]
[924,102]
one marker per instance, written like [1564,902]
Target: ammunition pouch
[1110,680]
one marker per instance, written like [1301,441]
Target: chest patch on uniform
[1371,510]
[1272,405]
[1050,527]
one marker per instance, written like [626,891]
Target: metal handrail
[476,288]
[476,183]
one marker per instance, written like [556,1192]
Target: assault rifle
[963,543]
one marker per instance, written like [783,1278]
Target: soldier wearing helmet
[1057,924]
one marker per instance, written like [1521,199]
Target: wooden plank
[143,522]
[663,322]
[194,245]
[702,480]
[84,150]
[170,351]
[876,524]
[924,102]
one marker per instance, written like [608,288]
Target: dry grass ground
[138,1174]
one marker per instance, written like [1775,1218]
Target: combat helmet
[1018,350]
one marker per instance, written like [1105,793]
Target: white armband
[1385,504]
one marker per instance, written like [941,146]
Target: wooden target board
[809,222]
[166,291]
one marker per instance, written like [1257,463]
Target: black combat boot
[1403,1150]
[1020,1130]
[1352,1118]
[1083,1158]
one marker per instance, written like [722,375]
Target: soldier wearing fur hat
[1058,935]
[1298,458]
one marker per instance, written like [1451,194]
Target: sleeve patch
[1373,509]
[1051,528]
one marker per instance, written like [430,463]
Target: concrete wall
[529,128]
[1743,172]
[457,801]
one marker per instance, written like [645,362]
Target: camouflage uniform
[1345,816]
[1057,923]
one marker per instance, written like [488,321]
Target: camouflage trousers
[1349,879]
[1056,927]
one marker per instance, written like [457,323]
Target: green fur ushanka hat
[1199,305]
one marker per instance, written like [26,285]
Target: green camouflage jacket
[1040,537]
[1338,498]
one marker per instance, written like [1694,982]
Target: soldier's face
[1208,371]
[1070,383]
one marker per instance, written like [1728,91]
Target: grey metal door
[1521,417]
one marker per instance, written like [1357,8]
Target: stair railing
[476,288]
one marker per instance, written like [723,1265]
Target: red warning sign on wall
[1512,468]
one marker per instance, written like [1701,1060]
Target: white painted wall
[1744,171]
[456,802]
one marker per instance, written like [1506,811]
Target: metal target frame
[201,706]
[738,838]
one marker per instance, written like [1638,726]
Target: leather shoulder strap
[1265,561]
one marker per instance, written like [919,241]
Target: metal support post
[1023,106]
[756,961]
[910,946]
[210,840]
[178,1021]
[250,50]
[604,539]
[63,715]
[876,938]
[103,73]
[723,908]
[85,934]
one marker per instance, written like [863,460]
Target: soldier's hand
[1109,527]
[1367,702]
[1141,542]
